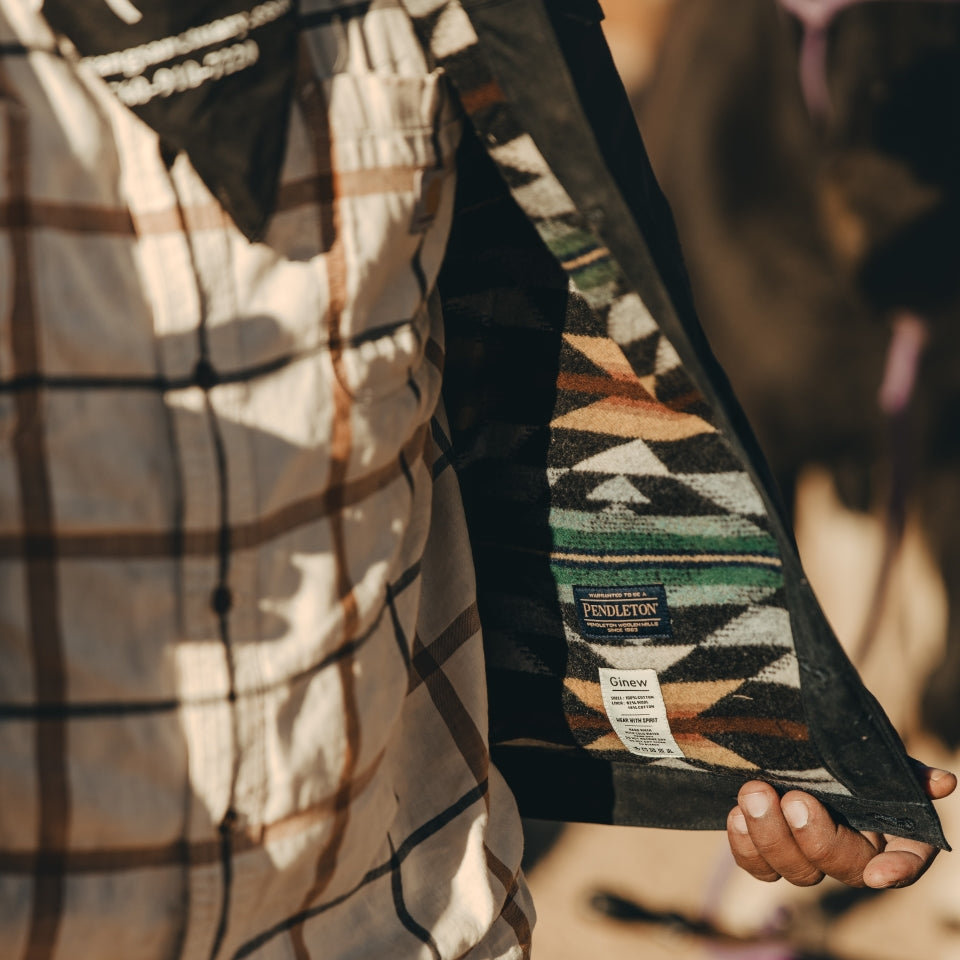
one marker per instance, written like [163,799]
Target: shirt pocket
[372,148]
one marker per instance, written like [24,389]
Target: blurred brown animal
[805,235]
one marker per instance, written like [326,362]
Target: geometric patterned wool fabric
[640,489]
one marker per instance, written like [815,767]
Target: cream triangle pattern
[817,779]
[785,671]
[543,193]
[732,490]
[759,625]
[667,357]
[643,657]
[634,458]
[617,490]
[616,513]
[453,31]
[629,320]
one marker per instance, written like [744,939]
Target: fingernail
[738,822]
[757,804]
[936,775]
[796,814]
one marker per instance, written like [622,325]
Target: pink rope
[816,17]
[907,342]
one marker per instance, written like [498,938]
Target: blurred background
[812,163]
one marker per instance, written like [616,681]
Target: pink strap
[907,343]
[816,14]
[816,17]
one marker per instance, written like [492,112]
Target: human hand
[796,838]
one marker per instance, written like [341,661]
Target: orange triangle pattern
[605,354]
[696,747]
[609,741]
[628,406]
[587,693]
[692,699]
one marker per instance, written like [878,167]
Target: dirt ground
[682,879]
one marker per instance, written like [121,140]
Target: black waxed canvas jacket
[652,642]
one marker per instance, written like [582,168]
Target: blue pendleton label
[623,612]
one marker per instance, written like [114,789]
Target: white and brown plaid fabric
[242,705]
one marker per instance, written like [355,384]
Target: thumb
[938,783]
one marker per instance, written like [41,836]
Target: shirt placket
[187,265]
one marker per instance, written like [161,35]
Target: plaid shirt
[242,706]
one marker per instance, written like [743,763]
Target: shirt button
[229,821]
[205,375]
[221,599]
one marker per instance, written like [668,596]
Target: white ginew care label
[637,713]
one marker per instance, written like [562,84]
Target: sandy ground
[692,874]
